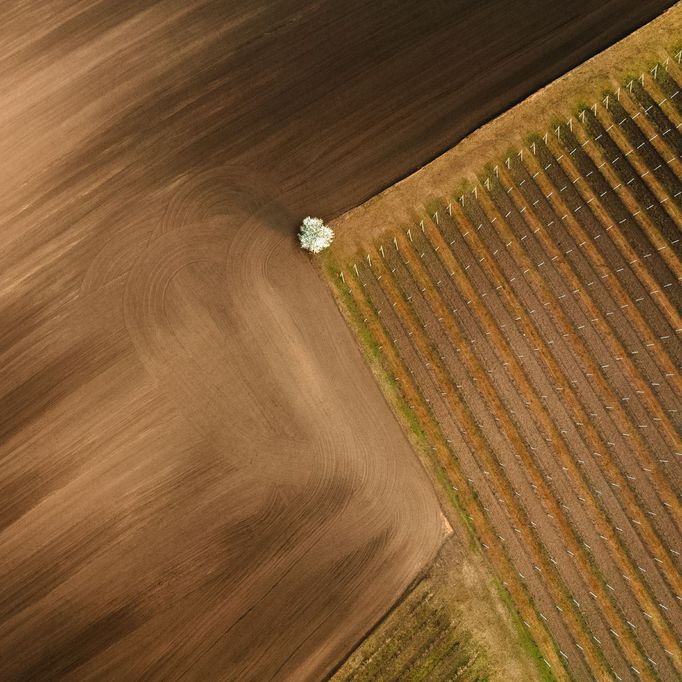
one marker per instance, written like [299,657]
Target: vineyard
[531,324]
[422,641]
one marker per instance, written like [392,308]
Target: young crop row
[533,327]
[465,436]
[556,547]
[422,641]
[528,420]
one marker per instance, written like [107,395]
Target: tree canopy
[314,235]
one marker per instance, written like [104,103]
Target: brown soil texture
[199,477]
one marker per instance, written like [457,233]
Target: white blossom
[314,235]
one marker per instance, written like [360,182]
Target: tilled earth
[198,475]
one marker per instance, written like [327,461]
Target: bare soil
[199,476]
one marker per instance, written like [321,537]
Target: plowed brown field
[199,478]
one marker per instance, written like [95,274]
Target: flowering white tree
[314,235]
